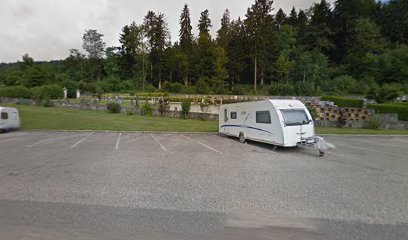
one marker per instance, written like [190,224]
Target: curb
[117,131]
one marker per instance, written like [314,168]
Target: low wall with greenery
[344,101]
[400,108]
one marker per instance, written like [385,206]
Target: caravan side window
[233,115]
[263,117]
[4,115]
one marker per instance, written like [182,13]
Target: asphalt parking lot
[111,185]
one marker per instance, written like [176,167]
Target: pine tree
[258,24]
[204,23]
[186,36]
[292,19]
[280,18]
[223,34]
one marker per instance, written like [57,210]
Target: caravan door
[225,121]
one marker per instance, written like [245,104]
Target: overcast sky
[47,29]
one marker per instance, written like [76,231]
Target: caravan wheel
[242,138]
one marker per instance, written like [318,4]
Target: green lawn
[34,117]
[69,119]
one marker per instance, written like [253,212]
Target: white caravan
[285,123]
[9,119]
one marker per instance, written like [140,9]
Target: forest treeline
[348,47]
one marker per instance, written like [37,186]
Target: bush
[129,112]
[386,93]
[400,109]
[373,122]
[114,107]
[163,106]
[281,89]
[344,102]
[202,85]
[48,92]
[344,83]
[238,90]
[147,109]
[172,87]
[47,103]
[185,107]
[15,92]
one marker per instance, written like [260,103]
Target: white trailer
[285,123]
[9,119]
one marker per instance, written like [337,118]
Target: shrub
[373,122]
[185,107]
[47,103]
[282,89]
[163,106]
[205,105]
[386,93]
[238,90]
[400,109]
[147,109]
[114,107]
[344,102]
[48,92]
[172,87]
[129,112]
[344,83]
[15,92]
[202,85]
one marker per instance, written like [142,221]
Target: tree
[220,70]
[282,67]
[158,37]
[258,21]
[318,35]
[93,43]
[223,34]
[292,19]
[204,24]
[280,18]
[27,61]
[186,36]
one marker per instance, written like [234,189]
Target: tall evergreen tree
[223,34]
[204,24]
[280,18]
[258,21]
[185,34]
[292,19]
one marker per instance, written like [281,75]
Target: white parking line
[83,139]
[215,150]
[164,149]
[42,141]
[118,141]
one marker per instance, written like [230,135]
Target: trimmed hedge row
[16,92]
[344,102]
[400,109]
[43,92]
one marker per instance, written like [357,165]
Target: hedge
[344,102]
[400,109]
[15,92]
[48,92]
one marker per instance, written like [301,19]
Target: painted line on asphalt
[136,139]
[118,142]
[83,139]
[202,144]
[42,141]
[163,147]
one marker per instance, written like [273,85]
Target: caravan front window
[294,117]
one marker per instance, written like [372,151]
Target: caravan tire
[242,138]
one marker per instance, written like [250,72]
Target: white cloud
[46,29]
